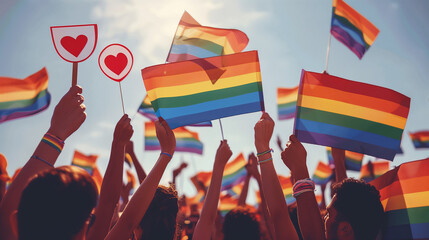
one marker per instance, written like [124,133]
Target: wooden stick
[327,53]
[221,129]
[74,74]
[122,99]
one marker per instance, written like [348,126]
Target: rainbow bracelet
[53,141]
[264,161]
[302,186]
[265,152]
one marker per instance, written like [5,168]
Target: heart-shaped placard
[116,64]
[74,45]
[115,61]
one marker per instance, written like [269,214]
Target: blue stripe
[420,230]
[356,36]
[353,166]
[192,50]
[287,111]
[348,133]
[39,105]
[150,113]
[214,114]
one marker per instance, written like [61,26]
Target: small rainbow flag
[227,203]
[351,28]
[183,94]
[404,194]
[236,190]
[286,102]
[98,178]
[87,162]
[354,116]
[323,174]
[146,110]
[24,97]
[131,178]
[420,139]
[287,186]
[193,41]
[186,140]
[235,172]
[373,170]
[197,199]
[353,160]
[202,180]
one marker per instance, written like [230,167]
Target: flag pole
[74,74]
[221,129]
[122,99]
[327,52]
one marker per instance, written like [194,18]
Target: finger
[73,91]
[293,138]
[83,107]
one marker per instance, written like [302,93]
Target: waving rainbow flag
[87,162]
[353,160]
[323,174]
[227,203]
[202,180]
[287,187]
[186,140]
[404,194]
[373,170]
[420,139]
[193,41]
[183,94]
[97,177]
[146,110]
[286,102]
[24,97]
[351,28]
[235,172]
[354,116]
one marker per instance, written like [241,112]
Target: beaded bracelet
[302,186]
[265,152]
[53,141]
[167,154]
[43,160]
[266,160]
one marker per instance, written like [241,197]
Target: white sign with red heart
[115,61]
[74,43]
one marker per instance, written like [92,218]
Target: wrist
[300,173]
[261,147]
[57,134]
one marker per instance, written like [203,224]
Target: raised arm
[310,221]
[112,182]
[207,219]
[243,195]
[141,174]
[142,198]
[339,156]
[68,116]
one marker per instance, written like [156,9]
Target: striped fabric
[98,178]
[87,162]
[235,191]
[286,102]
[420,139]
[193,41]
[373,170]
[351,28]
[183,94]
[323,174]
[353,160]
[186,140]
[202,180]
[287,187]
[404,194]
[235,172]
[227,203]
[146,110]
[197,199]
[24,97]
[354,116]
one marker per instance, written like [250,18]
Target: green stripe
[418,215]
[287,105]
[202,43]
[350,122]
[350,25]
[173,102]
[177,139]
[407,216]
[22,103]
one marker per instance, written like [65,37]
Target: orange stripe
[35,81]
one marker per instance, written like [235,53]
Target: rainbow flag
[420,139]
[202,180]
[287,186]
[373,170]
[227,203]
[131,178]
[193,41]
[353,160]
[404,194]
[323,174]
[354,116]
[351,28]
[197,199]
[186,140]
[87,162]
[286,102]
[183,94]
[97,177]
[24,97]
[146,110]
[235,172]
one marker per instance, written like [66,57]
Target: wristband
[167,154]
[264,161]
[302,186]
[40,159]
[265,152]
[53,141]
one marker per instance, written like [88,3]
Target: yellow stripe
[181,134]
[196,32]
[322,174]
[189,89]
[352,110]
[410,200]
[287,99]
[22,95]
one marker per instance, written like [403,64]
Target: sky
[289,36]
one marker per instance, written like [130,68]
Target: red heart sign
[74,46]
[116,64]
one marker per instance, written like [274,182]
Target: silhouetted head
[159,221]
[355,211]
[241,223]
[56,204]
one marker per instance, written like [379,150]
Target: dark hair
[241,223]
[56,204]
[159,221]
[359,204]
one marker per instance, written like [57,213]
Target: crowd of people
[44,202]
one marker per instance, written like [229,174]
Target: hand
[294,157]
[223,153]
[165,136]
[123,131]
[263,132]
[69,114]
[252,166]
[129,148]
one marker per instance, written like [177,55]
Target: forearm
[140,201]
[340,164]
[141,174]
[244,191]
[268,222]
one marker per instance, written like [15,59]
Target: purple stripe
[342,36]
[187,149]
[286,116]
